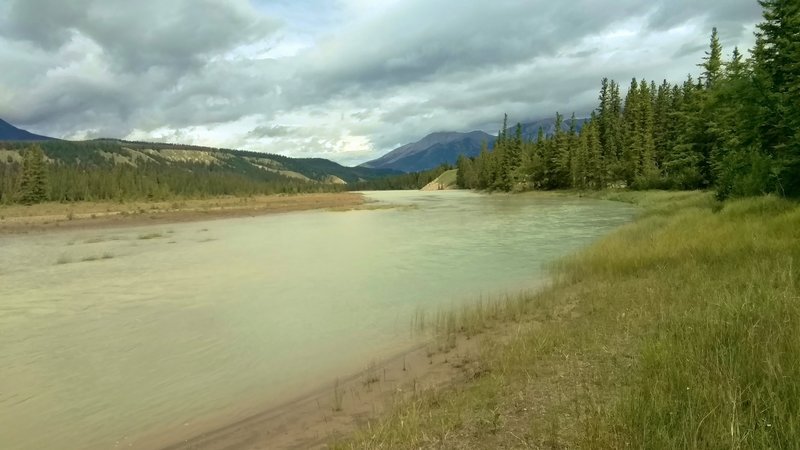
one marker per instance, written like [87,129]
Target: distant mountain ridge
[440,148]
[432,151]
[9,132]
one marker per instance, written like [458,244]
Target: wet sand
[17,219]
[317,419]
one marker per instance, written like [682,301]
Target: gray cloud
[345,80]
[726,15]
[140,34]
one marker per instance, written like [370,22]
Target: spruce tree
[647,170]
[604,113]
[33,188]
[661,124]
[632,136]
[683,163]
[511,159]
[537,170]
[712,62]
[612,147]
[595,171]
[579,157]
[559,174]
[777,76]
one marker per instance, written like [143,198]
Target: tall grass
[681,330]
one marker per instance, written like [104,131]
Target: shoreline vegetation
[50,216]
[679,330]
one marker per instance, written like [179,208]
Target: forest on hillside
[66,171]
[735,129]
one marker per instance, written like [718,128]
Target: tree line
[735,128]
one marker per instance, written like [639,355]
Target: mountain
[445,147]
[431,151]
[9,132]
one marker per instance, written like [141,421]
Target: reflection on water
[107,336]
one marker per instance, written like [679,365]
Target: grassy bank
[680,330]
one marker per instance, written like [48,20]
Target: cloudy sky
[346,80]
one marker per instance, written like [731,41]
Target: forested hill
[114,169]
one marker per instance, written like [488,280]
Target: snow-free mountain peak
[9,132]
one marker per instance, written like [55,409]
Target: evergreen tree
[579,150]
[647,171]
[484,167]
[630,161]
[572,150]
[33,188]
[612,143]
[537,165]
[462,169]
[595,171]
[661,123]
[503,135]
[777,76]
[558,165]
[712,62]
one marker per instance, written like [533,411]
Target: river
[110,336]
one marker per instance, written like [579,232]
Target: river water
[110,336]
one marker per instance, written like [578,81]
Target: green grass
[680,330]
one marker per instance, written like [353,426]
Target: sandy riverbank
[17,219]
[316,419]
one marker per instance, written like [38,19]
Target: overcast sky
[346,80]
